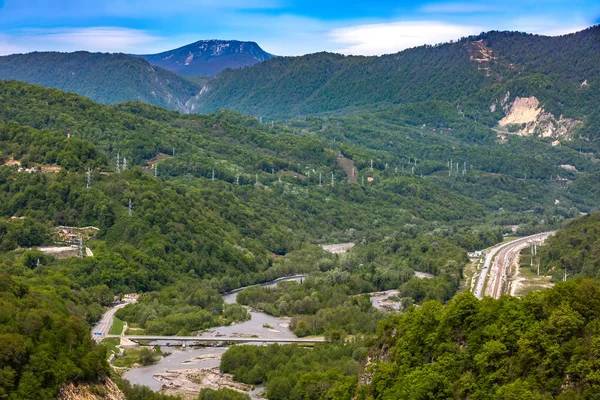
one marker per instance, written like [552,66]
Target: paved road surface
[105,323]
[497,259]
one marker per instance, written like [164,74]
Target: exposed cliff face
[525,116]
[86,391]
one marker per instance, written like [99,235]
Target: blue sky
[283,27]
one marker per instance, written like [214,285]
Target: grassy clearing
[117,327]
[528,281]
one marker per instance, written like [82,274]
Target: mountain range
[516,82]
[208,57]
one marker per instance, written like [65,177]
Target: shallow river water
[260,324]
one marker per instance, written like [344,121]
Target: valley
[317,227]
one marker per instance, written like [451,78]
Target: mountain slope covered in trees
[236,202]
[575,247]
[105,78]
[472,73]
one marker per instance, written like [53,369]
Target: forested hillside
[542,346]
[190,206]
[105,78]
[575,248]
[472,73]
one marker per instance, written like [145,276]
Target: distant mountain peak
[209,57]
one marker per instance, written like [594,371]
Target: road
[104,325]
[219,339]
[497,259]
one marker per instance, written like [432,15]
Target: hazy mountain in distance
[102,77]
[208,57]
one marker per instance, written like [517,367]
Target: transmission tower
[89,178]
[371,165]
[124,163]
[237,180]
[331,178]
[130,209]
[118,163]
[213,175]
[156,170]
[320,179]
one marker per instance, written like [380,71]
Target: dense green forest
[206,204]
[102,77]
[550,68]
[471,74]
[575,248]
[539,347]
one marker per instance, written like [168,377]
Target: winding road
[497,260]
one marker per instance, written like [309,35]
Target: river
[260,324]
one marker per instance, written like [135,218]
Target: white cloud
[102,39]
[385,38]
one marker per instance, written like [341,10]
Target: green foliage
[222,394]
[105,78]
[541,346]
[575,247]
[289,372]
[137,392]
[43,342]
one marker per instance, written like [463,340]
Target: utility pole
[130,208]
[173,151]
[371,165]
[80,247]
[531,251]
[213,175]
[320,179]
[89,178]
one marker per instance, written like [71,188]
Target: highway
[218,339]
[100,330]
[497,259]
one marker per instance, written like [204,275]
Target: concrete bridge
[217,339]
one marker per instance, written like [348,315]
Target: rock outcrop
[525,116]
[91,391]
